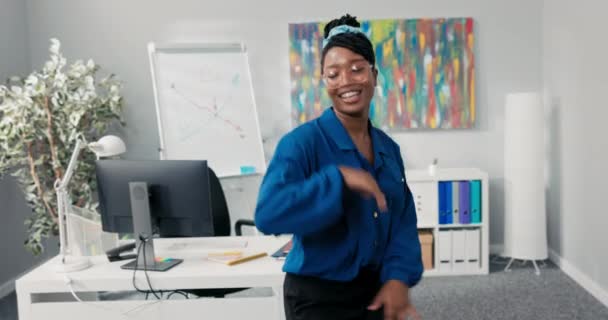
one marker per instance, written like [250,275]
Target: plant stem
[30,158]
[51,138]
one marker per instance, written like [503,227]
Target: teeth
[349,94]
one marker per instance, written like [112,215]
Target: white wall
[115,33]
[575,81]
[14,61]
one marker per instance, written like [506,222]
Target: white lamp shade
[525,213]
[108,146]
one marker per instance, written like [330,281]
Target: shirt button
[375,214]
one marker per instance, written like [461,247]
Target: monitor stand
[142,227]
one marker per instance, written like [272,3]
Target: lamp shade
[525,214]
[108,146]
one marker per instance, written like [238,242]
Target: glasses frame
[350,73]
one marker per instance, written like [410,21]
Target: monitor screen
[179,192]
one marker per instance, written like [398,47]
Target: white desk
[44,294]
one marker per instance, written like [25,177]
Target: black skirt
[312,298]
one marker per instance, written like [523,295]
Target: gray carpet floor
[519,294]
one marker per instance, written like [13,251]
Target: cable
[139,249]
[125,315]
[145,241]
[68,281]
[180,292]
[135,271]
[158,294]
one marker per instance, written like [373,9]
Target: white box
[472,238]
[444,244]
[458,251]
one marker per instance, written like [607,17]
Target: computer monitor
[170,198]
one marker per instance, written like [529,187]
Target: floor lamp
[525,214]
[106,147]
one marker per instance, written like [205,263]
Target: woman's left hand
[394,297]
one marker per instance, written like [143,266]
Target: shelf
[447,174]
[425,190]
[459,225]
[450,226]
[437,273]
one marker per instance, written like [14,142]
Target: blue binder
[465,199]
[475,201]
[442,203]
[449,217]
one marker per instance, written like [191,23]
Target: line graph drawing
[214,111]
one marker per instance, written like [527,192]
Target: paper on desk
[235,257]
[207,244]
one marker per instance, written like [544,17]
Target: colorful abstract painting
[426,72]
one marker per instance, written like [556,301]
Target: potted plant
[41,117]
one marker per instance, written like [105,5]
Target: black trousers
[311,298]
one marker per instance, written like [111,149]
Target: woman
[338,185]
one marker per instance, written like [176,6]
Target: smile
[350,94]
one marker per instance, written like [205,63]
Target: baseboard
[579,277]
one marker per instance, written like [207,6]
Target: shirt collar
[338,133]
[336,130]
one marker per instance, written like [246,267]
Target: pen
[245,259]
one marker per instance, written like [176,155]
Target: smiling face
[350,81]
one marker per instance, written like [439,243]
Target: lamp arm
[62,203]
[63,200]
[71,166]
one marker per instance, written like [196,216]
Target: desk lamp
[107,146]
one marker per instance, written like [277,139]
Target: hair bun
[346,19]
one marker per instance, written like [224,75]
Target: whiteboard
[205,106]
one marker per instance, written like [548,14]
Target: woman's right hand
[362,182]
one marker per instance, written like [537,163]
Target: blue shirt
[337,232]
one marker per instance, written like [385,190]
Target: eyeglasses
[359,71]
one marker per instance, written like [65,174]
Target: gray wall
[14,60]
[575,84]
[115,34]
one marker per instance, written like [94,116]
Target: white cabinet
[425,195]
[458,248]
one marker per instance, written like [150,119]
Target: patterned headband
[341,29]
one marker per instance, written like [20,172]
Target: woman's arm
[292,200]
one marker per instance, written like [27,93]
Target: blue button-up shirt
[337,232]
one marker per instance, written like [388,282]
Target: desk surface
[194,272]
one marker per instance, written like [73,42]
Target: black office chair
[219,209]
[221,227]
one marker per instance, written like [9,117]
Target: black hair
[355,42]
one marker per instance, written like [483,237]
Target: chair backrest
[219,207]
